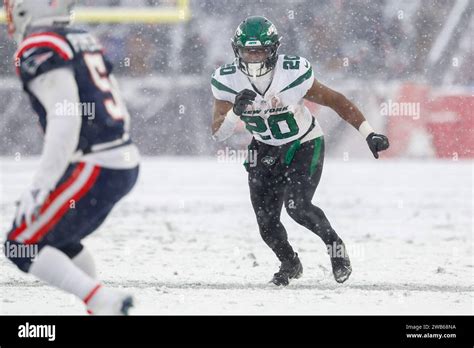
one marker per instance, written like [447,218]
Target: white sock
[55,268]
[85,261]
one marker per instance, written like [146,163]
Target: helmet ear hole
[21,13]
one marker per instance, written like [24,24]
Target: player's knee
[20,254]
[299,216]
[294,209]
[300,212]
[72,249]
[267,219]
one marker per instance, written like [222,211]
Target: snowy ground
[185,241]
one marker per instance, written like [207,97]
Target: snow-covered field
[185,241]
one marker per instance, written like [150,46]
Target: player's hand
[242,100]
[377,142]
[29,205]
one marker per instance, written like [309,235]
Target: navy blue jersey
[105,118]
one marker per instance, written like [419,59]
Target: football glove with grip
[377,142]
[29,205]
[242,100]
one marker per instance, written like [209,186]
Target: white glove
[29,205]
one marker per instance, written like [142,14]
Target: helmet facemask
[256,61]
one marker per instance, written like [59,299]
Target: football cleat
[341,264]
[109,302]
[291,269]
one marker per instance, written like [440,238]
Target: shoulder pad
[299,70]
[40,53]
[224,70]
[221,80]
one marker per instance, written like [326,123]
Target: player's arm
[219,113]
[320,94]
[226,114]
[62,132]
[61,137]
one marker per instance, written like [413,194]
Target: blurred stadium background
[384,55]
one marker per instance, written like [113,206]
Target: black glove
[377,142]
[244,98]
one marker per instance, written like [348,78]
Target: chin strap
[254,73]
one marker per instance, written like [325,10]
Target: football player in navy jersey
[88,162]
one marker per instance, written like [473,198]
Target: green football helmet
[255,46]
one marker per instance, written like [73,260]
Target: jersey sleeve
[41,53]
[62,133]
[221,85]
[300,81]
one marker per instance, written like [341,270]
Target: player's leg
[304,175]
[88,214]
[77,207]
[85,261]
[52,265]
[303,178]
[78,253]
[81,257]
[267,189]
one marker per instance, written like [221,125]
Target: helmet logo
[253,43]
[238,32]
[271,30]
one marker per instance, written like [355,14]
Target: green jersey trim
[299,80]
[222,87]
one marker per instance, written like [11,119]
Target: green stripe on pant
[316,154]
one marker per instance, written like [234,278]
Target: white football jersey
[279,116]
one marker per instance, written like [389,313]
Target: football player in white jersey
[267,91]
